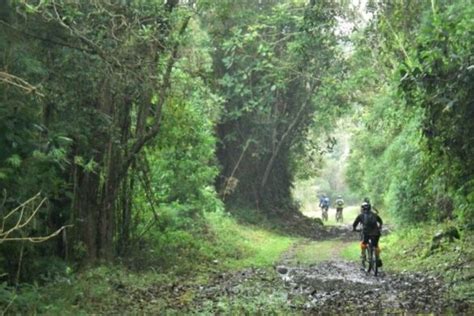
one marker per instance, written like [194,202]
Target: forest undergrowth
[240,256]
[225,246]
[422,249]
[163,155]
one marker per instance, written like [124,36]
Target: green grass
[351,252]
[349,214]
[171,257]
[410,249]
[315,252]
[87,292]
[318,251]
[246,246]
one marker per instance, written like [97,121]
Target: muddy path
[328,287]
[338,286]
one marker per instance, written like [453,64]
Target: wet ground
[335,286]
[340,287]
[331,287]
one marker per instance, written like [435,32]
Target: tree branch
[92,46]
[231,182]
[139,143]
[19,83]
[283,138]
[48,40]
[37,239]
[19,224]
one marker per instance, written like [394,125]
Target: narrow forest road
[339,286]
[329,285]
[333,286]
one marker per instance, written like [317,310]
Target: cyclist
[371,229]
[324,204]
[322,200]
[339,207]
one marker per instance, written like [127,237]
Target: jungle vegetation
[125,124]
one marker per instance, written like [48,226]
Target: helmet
[365,206]
[367,200]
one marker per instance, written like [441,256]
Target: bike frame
[371,258]
[339,217]
[324,213]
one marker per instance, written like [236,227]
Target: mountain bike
[371,258]
[369,261]
[324,213]
[339,218]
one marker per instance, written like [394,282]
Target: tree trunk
[85,219]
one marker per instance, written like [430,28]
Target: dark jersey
[370,230]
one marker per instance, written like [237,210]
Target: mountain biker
[339,206]
[324,202]
[372,227]
[324,205]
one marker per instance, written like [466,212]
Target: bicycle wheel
[374,263]
[339,216]
[375,266]
[364,259]
[371,257]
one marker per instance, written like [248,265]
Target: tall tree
[271,58]
[106,71]
[412,151]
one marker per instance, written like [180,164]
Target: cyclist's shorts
[375,240]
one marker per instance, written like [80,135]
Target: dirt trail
[335,286]
[340,287]
[329,287]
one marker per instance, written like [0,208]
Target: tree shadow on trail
[291,223]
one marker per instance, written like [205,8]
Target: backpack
[369,220]
[340,203]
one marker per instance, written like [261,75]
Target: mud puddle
[340,287]
[330,287]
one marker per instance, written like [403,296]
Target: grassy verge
[318,251]
[349,214]
[241,246]
[173,258]
[413,249]
[351,252]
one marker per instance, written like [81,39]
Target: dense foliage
[128,128]
[271,63]
[109,111]
[412,149]
[103,86]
